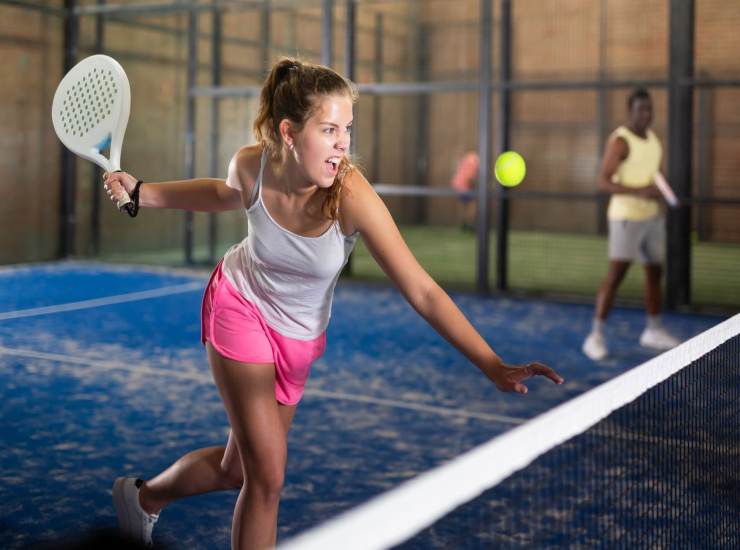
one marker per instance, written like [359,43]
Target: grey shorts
[642,240]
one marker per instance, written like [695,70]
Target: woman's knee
[266,481]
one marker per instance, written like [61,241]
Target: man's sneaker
[658,338]
[594,346]
[133,521]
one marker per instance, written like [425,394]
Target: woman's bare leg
[201,471]
[260,436]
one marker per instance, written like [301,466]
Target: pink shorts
[237,330]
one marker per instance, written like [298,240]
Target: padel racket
[90,113]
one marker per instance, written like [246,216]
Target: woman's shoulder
[245,166]
[355,184]
[358,200]
[248,158]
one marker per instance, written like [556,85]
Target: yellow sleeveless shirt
[637,170]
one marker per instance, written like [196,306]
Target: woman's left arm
[362,210]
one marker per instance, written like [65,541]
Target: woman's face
[324,140]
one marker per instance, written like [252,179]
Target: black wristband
[135,199]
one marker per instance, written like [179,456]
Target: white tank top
[288,277]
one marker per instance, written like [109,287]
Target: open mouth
[333,164]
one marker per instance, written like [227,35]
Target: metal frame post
[327,32]
[602,112]
[349,73]
[503,131]
[421,139]
[377,100]
[350,42]
[190,126]
[265,36]
[680,110]
[68,184]
[95,191]
[216,66]
[704,139]
[484,144]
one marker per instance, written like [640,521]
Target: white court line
[102,365]
[97,302]
[442,411]
[205,378]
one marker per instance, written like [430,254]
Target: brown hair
[290,91]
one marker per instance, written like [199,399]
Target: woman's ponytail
[265,126]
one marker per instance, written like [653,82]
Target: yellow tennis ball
[510,168]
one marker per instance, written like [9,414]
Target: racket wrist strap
[135,199]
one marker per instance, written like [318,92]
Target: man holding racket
[630,172]
[268,302]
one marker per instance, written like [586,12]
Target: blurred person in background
[636,223]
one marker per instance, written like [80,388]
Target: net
[648,459]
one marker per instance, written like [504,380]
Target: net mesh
[649,459]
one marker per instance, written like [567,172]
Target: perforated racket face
[90,109]
[88,102]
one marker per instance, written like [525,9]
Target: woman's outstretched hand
[510,377]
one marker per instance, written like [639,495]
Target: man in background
[636,223]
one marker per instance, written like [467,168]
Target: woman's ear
[286,132]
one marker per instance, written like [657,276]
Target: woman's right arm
[200,194]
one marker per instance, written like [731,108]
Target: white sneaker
[133,521]
[594,346]
[658,338]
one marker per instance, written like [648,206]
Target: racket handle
[125,204]
[666,191]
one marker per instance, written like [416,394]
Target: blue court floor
[103,375]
